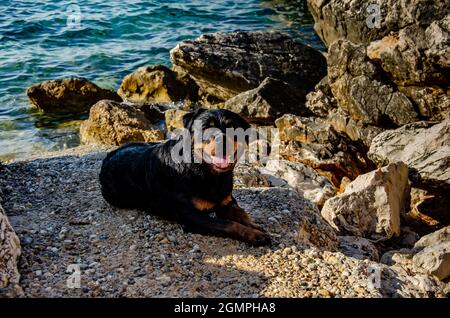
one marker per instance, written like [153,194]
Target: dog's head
[219,137]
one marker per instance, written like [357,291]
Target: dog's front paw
[257,238]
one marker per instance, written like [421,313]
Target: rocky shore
[355,200]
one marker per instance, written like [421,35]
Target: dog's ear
[188,119]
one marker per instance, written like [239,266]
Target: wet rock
[360,90]
[371,205]
[9,256]
[360,23]
[226,64]
[157,83]
[358,247]
[423,146]
[68,95]
[262,105]
[113,123]
[305,180]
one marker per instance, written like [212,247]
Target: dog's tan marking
[227,200]
[202,205]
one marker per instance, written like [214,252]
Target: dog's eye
[211,124]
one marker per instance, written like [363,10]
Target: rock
[360,90]
[321,101]
[68,95]
[371,205]
[305,180]
[435,260]
[226,64]
[359,23]
[355,130]
[442,235]
[113,123]
[433,102]
[424,147]
[157,83]
[262,105]
[358,247]
[9,255]
[314,142]
[174,118]
[438,39]
[402,57]
[305,129]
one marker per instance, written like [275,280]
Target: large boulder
[360,90]
[113,123]
[157,83]
[262,105]
[423,146]
[9,254]
[68,95]
[226,64]
[371,205]
[302,178]
[366,21]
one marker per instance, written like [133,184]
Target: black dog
[145,176]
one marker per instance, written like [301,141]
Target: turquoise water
[103,41]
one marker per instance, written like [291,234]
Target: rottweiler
[147,176]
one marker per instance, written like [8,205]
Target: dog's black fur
[144,176]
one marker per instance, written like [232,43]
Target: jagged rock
[113,123]
[262,105]
[68,95]
[302,178]
[358,247]
[402,57]
[174,118]
[435,259]
[358,87]
[433,102]
[321,101]
[438,42]
[356,21]
[355,130]
[314,142]
[226,64]
[157,83]
[9,254]
[424,147]
[442,235]
[371,205]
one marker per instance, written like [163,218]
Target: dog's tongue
[223,162]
